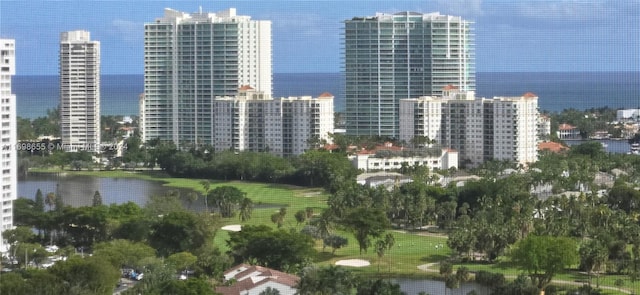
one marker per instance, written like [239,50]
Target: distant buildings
[502,128]
[8,137]
[389,157]
[79,91]
[192,58]
[389,57]
[628,114]
[250,279]
[544,127]
[254,121]
[568,132]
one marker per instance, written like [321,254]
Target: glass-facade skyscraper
[389,57]
[191,58]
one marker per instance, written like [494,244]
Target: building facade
[8,137]
[254,121]
[79,91]
[192,58]
[502,128]
[389,57]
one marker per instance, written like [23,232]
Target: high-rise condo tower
[8,137]
[79,91]
[389,57]
[192,58]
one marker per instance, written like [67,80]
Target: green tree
[542,257]
[123,253]
[593,256]
[226,199]
[50,200]
[279,249]
[89,274]
[246,208]
[278,217]
[182,261]
[366,223]
[192,286]
[180,231]
[331,280]
[301,216]
[97,199]
[39,199]
[335,242]
[29,252]
[14,283]
[206,186]
[163,205]
[378,287]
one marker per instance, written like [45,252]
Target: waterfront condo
[8,136]
[79,91]
[480,129]
[389,57]
[191,58]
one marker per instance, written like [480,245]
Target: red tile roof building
[253,279]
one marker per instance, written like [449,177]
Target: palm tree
[97,199]
[246,207]
[50,200]
[206,185]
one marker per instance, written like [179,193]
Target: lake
[611,146]
[78,190]
[433,287]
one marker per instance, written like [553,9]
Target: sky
[510,36]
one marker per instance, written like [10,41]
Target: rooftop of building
[566,127]
[250,276]
[552,147]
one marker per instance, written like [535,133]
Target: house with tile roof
[552,147]
[248,279]
[568,132]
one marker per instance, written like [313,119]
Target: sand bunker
[233,227]
[353,262]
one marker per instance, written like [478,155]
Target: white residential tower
[8,136]
[190,58]
[79,91]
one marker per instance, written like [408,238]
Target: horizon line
[298,73]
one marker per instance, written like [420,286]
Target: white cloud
[565,10]
[129,31]
[466,8]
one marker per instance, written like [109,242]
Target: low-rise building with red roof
[568,132]
[552,147]
[253,279]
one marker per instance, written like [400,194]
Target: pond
[433,287]
[78,190]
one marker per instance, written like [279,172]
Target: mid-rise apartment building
[8,138]
[286,126]
[501,128]
[389,57]
[79,91]
[191,58]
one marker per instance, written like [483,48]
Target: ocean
[556,91]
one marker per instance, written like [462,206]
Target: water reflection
[415,286]
[77,190]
